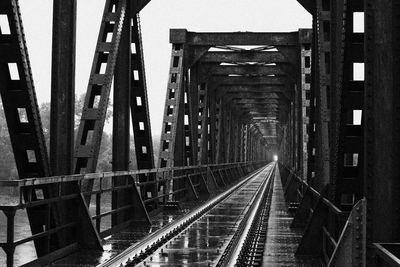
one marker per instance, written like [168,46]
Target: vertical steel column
[293,135]
[232,134]
[95,106]
[227,137]
[220,132]
[253,144]
[305,99]
[242,142]
[311,127]
[238,138]
[289,130]
[62,114]
[346,134]
[23,118]
[172,143]
[187,122]
[382,122]
[140,113]
[250,152]
[139,102]
[193,108]
[323,85]
[121,118]
[203,135]
[246,142]
[213,121]
[62,105]
[295,130]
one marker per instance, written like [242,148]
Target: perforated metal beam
[260,70]
[233,38]
[243,57]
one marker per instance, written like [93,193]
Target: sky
[156,19]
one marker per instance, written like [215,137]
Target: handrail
[315,193]
[385,255]
[34,181]
[330,239]
[189,179]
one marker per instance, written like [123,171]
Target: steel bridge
[274,150]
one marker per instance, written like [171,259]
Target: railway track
[228,230]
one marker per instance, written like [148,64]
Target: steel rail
[237,243]
[138,252]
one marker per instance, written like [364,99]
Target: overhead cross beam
[260,70]
[244,80]
[254,88]
[233,38]
[244,56]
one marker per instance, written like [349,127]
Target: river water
[26,252]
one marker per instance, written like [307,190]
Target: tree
[8,168]
[45,117]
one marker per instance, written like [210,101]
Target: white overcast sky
[156,19]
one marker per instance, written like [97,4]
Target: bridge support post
[213,126]
[382,122]
[139,108]
[204,122]
[121,125]
[62,116]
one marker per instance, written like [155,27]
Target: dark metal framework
[118,58]
[232,99]
[351,168]
[227,95]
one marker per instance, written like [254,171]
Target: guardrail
[148,191]
[327,228]
[387,254]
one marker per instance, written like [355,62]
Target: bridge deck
[280,248]
[282,241]
[120,241]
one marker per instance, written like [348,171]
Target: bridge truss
[233,101]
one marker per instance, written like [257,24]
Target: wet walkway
[203,243]
[282,241]
[118,242]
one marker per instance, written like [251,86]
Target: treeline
[7,163]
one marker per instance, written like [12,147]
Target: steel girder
[250,75]
[335,138]
[25,128]
[233,38]
[118,55]
[22,113]
[381,131]
[244,57]
[256,70]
